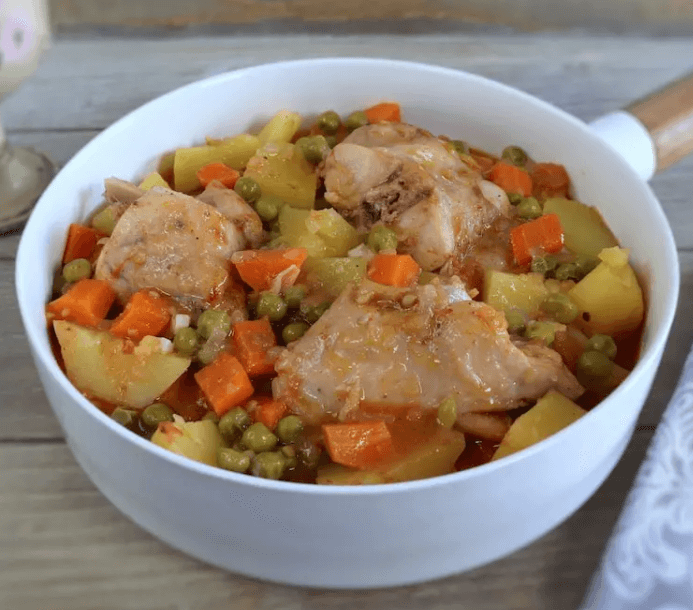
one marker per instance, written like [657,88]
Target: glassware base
[24,174]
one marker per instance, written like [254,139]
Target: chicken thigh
[171,242]
[370,346]
[402,176]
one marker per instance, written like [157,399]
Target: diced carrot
[393,269]
[224,383]
[544,233]
[220,172]
[511,179]
[87,303]
[252,340]
[385,111]
[269,412]
[146,313]
[258,268]
[80,243]
[550,180]
[359,444]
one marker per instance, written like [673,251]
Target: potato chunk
[610,295]
[510,291]
[97,364]
[322,233]
[281,170]
[584,230]
[552,413]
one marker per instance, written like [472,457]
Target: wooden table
[63,546]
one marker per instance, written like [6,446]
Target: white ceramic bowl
[341,536]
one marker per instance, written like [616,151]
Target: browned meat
[171,242]
[369,347]
[235,208]
[121,191]
[405,178]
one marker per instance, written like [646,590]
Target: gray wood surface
[63,546]
[404,16]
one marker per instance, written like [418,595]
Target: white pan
[371,536]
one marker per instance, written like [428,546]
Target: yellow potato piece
[153,179]
[610,295]
[97,365]
[280,128]
[583,228]
[509,291]
[197,440]
[552,413]
[281,170]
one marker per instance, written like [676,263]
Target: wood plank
[585,76]
[658,16]
[65,546]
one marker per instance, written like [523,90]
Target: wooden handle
[668,116]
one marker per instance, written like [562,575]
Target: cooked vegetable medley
[353,302]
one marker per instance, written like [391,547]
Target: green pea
[289,453]
[272,306]
[230,459]
[269,465]
[186,340]
[585,264]
[567,271]
[289,428]
[125,417]
[602,343]
[515,155]
[447,413]
[268,206]
[515,198]
[544,264]
[211,320]
[355,120]
[259,438]
[560,307]
[460,147]
[331,141]
[248,189]
[154,414]
[294,331]
[313,148]
[544,331]
[516,321]
[329,122]
[594,365]
[78,269]
[293,295]
[313,313]
[381,238]
[104,221]
[233,423]
[529,208]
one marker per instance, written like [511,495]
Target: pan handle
[654,132]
